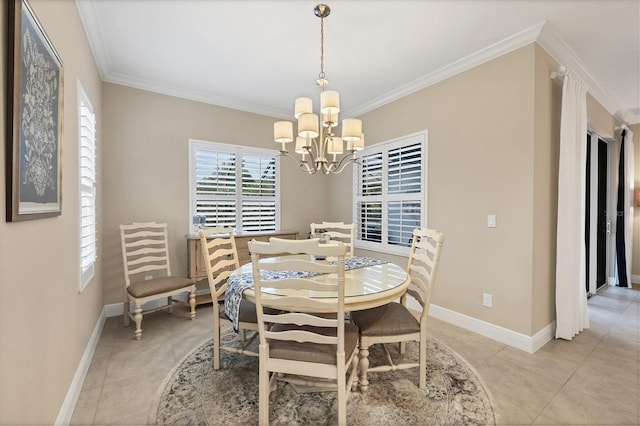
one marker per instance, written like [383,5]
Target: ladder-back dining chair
[147,272]
[393,322]
[220,257]
[338,231]
[301,341]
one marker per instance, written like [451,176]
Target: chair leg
[423,360]
[216,342]
[138,320]
[263,389]
[364,365]
[354,367]
[192,304]
[125,313]
[342,395]
[170,304]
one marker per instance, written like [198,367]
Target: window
[390,193]
[87,154]
[234,186]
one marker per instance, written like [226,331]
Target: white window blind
[87,173]
[390,196]
[235,186]
[215,185]
[258,193]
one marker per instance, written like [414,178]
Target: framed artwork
[34,119]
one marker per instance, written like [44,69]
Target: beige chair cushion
[312,352]
[247,311]
[157,286]
[387,320]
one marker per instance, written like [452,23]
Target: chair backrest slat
[299,265]
[146,268]
[311,284]
[302,336]
[296,318]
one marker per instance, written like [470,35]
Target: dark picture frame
[35,106]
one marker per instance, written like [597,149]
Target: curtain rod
[561,72]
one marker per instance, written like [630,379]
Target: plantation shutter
[215,178]
[390,199]
[87,191]
[369,223]
[235,186]
[405,180]
[258,193]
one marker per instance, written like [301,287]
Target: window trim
[411,139]
[239,150]
[86,276]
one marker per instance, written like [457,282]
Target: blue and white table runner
[237,284]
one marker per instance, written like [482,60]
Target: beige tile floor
[593,379]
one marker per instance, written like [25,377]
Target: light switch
[491,221]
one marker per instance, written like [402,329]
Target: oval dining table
[365,287]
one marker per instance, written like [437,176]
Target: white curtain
[572,315]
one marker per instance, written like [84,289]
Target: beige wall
[146,170]
[45,323]
[481,162]
[548,105]
[493,149]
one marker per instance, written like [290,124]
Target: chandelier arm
[302,165]
[344,162]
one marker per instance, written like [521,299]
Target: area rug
[195,394]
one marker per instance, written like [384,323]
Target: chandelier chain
[321,75]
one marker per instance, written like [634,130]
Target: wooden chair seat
[247,311]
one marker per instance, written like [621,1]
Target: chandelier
[319,147]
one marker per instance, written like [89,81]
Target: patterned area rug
[195,394]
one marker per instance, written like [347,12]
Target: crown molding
[486,54]
[562,53]
[194,95]
[89,18]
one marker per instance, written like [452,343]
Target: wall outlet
[487,300]
[148,277]
[491,221]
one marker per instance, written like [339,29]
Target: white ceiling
[258,56]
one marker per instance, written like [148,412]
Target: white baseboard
[504,335]
[69,403]
[635,279]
